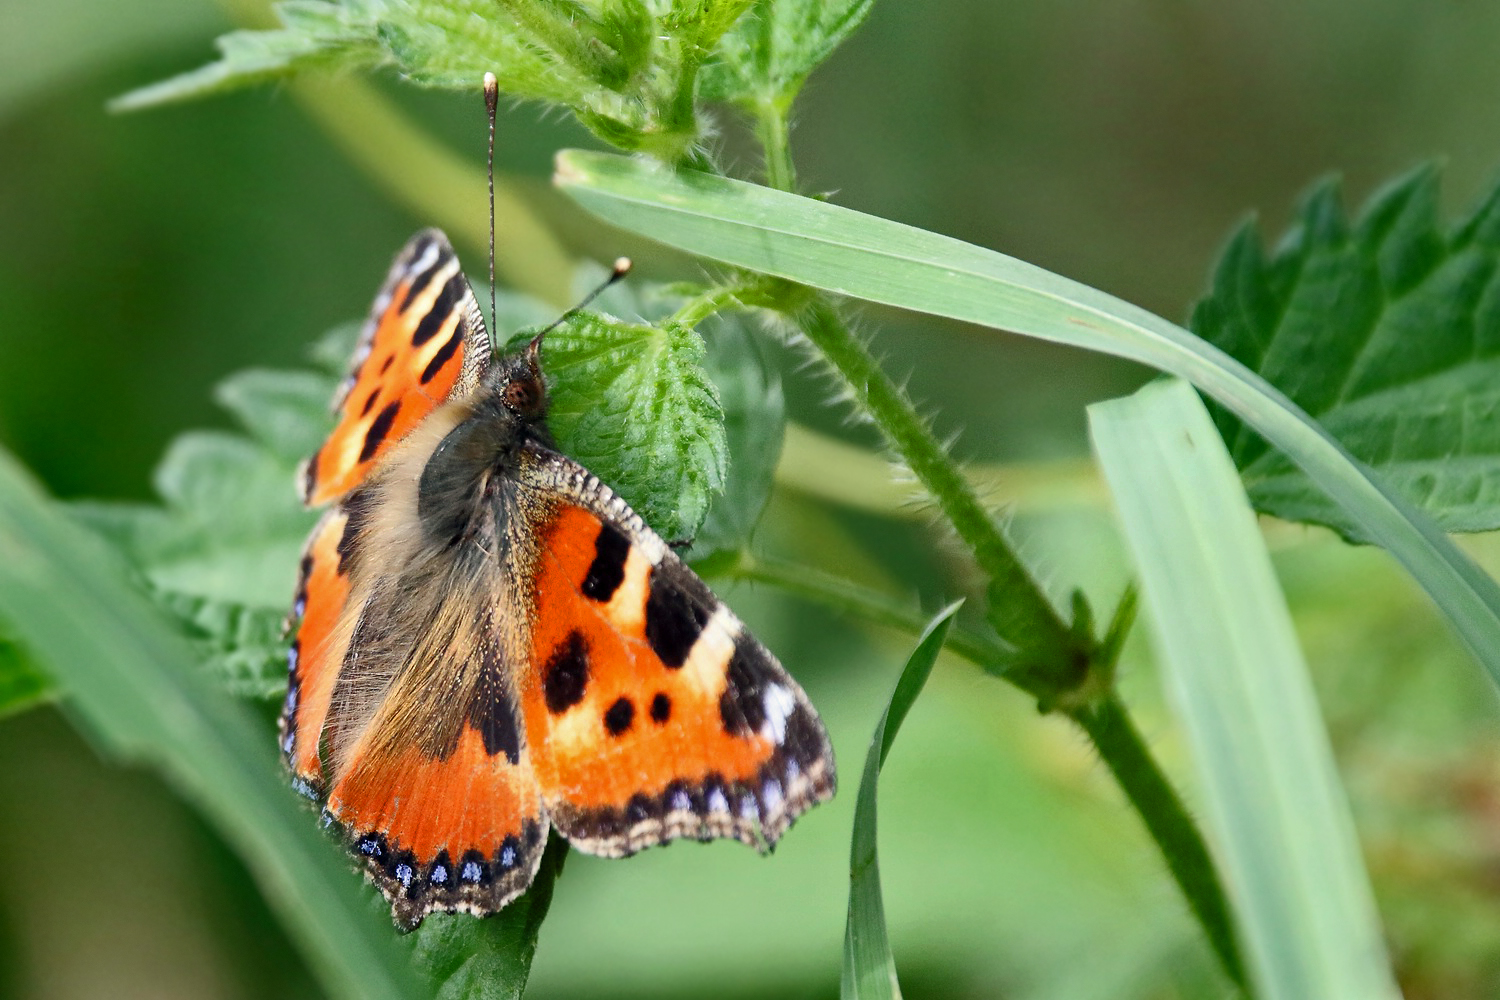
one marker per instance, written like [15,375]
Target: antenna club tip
[622,266]
[490,83]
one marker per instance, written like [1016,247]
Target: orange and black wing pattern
[652,712]
[317,651]
[423,342]
[437,795]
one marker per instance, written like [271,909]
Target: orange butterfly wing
[316,653]
[452,825]
[651,712]
[423,342]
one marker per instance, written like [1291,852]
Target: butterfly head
[516,380]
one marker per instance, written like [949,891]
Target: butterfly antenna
[491,102]
[621,268]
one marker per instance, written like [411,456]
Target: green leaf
[242,646]
[847,252]
[632,403]
[133,685]
[286,411]
[1236,676]
[314,34]
[754,429]
[1387,332]
[220,554]
[490,959]
[770,52]
[22,683]
[869,971]
[627,68]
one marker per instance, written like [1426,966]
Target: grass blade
[847,252]
[131,683]
[869,970]
[1275,808]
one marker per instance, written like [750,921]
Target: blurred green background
[145,257]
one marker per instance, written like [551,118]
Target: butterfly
[491,643]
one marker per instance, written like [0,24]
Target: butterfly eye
[523,396]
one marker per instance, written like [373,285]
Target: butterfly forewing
[316,653]
[424,341]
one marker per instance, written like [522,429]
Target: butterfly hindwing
[423,342]
[434,787]
[652,712]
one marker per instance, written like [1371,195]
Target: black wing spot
[379,428]
[310,475]
[423,278]
[443,356]
[433,321]
[385,365]
[675,618]
[661,708]
[567,673]
[370,401]
[619,717]
[493,712]
[742,707]
[607,571]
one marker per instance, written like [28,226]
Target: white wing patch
[779,703]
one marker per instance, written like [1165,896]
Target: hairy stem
[1108,726]
[1019,609]
[848,597]
[1105,721]
[773,131]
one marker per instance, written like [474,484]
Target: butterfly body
[492,643]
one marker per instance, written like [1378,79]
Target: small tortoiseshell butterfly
[491,642]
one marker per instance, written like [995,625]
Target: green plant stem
[850,598]
[1120,746]
[1105,721]
[1020,610]
[772,129]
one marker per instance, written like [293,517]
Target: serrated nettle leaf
[220,553]
[242,646]
[623,66]
[286,411]
[633,404]
[750,400]
[314,34]
[755,427]
[1388,331]
[772,50]
[241,525]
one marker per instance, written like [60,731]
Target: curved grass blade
[850,253]
[132,685]
[869,970]
[1235,674]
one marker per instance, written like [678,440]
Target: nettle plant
[1352,382]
